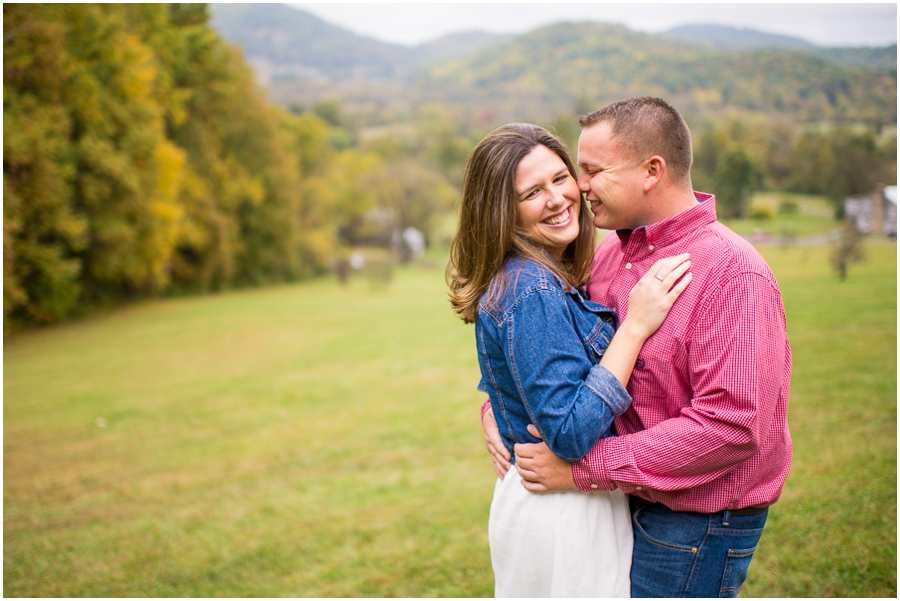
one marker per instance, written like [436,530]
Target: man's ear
[656,170]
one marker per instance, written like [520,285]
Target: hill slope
[289,43]
[568,66]
[722,37]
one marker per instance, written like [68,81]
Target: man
[705,449]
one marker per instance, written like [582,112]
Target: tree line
[140,158]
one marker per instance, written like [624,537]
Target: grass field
[319,440]
[814,215]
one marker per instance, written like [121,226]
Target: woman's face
[548,200]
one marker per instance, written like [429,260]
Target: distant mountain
[456,44]
[293,42]
[560,69]
[568,67]
[877,57]
[282,42]
[723,37]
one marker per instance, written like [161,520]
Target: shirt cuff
[589,473]
[485,407]
[598,469]
[605,385]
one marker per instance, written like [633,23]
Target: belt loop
[726,516]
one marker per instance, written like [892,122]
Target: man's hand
[541,470]
[499,455]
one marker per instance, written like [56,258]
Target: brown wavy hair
[489,232]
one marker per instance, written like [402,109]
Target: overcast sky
[827,24]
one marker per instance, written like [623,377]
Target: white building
[875,211]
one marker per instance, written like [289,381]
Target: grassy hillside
[319,440]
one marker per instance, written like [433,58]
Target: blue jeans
[683,554]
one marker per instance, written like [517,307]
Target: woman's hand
[654,294]
[499,455]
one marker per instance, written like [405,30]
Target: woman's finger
[676,273]
[663,267]
[678,288]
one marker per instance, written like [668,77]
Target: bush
[761,213]
[788,207]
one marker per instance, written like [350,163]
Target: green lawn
[814,215]
[319,440]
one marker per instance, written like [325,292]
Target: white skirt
[567,544]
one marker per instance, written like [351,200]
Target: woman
[548,357]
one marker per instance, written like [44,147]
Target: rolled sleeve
[607,387]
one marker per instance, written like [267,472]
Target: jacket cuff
[606,386]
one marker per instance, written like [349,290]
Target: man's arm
[737,358]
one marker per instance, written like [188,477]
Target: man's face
[612,183]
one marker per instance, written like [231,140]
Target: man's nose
[584,182]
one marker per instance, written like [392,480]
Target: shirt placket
[636,255]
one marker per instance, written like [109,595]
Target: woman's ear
[656,169]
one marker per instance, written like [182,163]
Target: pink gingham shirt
[707,429]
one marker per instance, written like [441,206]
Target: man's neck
[669,203]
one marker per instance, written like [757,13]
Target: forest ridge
[569,67]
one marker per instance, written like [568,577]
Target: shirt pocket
[660,375]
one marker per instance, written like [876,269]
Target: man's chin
[602,224]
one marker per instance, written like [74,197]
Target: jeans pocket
[737,562]
[664,557]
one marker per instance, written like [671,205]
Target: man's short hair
[646,126]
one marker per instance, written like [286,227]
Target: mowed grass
[319,440]
[834,531]
[813,215]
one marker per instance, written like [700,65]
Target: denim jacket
[538,350]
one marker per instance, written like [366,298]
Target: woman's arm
[648,304]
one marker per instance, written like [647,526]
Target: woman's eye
[561,179]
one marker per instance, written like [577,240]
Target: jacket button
[651,247]
[594,486]
[627,265]
[639,488]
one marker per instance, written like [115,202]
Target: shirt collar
[665,232]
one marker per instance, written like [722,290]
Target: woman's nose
[555,198]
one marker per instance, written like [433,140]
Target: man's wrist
[589,473]
[587,482]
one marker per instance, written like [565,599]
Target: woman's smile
[561,218]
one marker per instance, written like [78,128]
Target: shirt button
[627,265]
[594,486]
[650,247]
[639,488]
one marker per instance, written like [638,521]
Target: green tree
[857,166]
[734,183]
